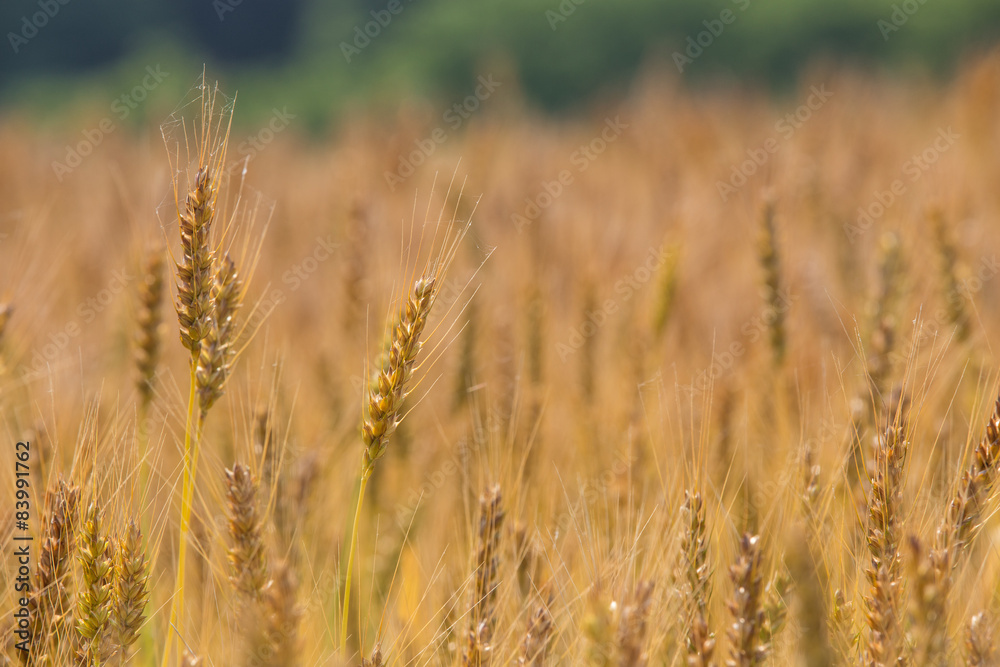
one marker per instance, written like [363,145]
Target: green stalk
[350,565]
[190,458]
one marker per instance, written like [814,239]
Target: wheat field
[695,376]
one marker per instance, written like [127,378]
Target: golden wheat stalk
[282,614]
[883,539]
[597,625]
[979,642]
[775,610]
[194,304]
[883,322]
[385,399]
[148,318]
[927,606]
[696,574]
[482,617]
[537,637]
[247,555]
[957,309]
[376,658]
[745,605]
[49,603]
[767,251]
[131,589]
[631,636]
[976,490]
[94,600]
[195,268]
[218,347]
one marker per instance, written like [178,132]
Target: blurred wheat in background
[699,376]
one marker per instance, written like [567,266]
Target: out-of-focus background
[723,328]
[319,57]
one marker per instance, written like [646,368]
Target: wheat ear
[696,574]
[976,490]
[131,589]
[957,310]
[49,602]
[247,555]
[385,398]
[745,605]
[148,319]
[979,642]
[218,347]
[390,385]
[282,614]
[767,250]
[883,538]
[193,305]
[194,270]
[482,617]
[94,600]
[537,637]
[631,636]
